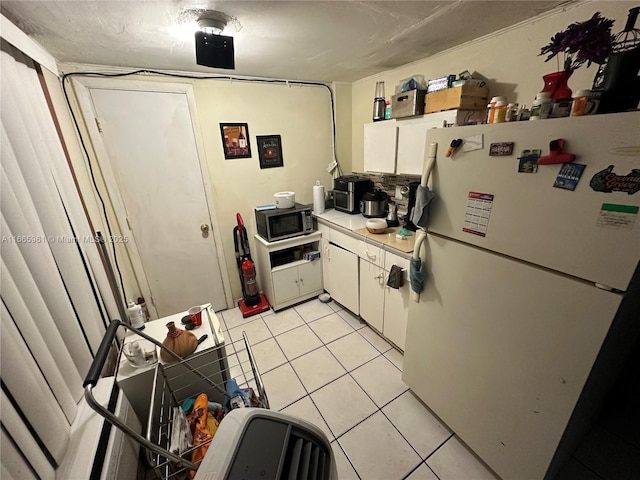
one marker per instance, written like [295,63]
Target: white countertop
[356,224]
[157,329]
[343,219]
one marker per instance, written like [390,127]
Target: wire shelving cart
[173,384]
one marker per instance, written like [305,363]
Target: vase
[181,342]
[556,84]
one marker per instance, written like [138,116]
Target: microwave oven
[280,223]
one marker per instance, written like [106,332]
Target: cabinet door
[326,272]
[411,142]
[396,313]
[285,284]
[343,270]
[310,277]
[372,281]
[380,141]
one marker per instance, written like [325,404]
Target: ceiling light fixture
[212,48]
[212,22]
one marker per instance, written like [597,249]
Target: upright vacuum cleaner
[253,302]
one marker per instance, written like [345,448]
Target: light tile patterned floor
[321,363]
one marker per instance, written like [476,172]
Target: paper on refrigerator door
[476,218]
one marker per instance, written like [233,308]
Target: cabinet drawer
[391,259]
[371,253]
[344,241]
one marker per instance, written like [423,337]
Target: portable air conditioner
[259,443]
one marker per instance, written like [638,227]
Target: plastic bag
[412,83]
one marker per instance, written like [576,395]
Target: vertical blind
[56,300]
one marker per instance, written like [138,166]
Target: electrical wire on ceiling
[335,170]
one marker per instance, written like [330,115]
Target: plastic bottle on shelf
[500,114]
[541,106]
[512,112]
[492,108]
[561,108]
[579,104]
[135,314]
[387,109]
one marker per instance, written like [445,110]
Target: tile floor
[320,363]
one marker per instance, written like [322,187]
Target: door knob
[204,228]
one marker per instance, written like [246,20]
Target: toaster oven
[348,191]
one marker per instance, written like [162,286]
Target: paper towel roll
[318,198]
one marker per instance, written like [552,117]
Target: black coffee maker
[408,224]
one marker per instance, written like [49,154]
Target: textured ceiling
[297,40]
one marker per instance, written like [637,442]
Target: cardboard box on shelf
[465,97]
[408,104]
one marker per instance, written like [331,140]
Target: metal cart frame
[174,383]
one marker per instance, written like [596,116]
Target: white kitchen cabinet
[396,312]
[408,137]
[372,290]
[342,266]
[296,281]
[384,308]
[326,271]
[286,278]
[396,302]
[380,141]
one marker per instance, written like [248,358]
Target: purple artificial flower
[582,42]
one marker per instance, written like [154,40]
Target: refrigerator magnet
[501,149]
[608,181]
[528,161]
[569,176]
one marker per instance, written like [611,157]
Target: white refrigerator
[523,281]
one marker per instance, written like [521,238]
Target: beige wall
[301,115]
[509,60]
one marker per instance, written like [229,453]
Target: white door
[147,145]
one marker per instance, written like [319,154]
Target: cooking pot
[373,204]
[285,199]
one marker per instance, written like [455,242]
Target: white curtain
[53,288]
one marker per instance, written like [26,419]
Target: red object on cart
[253,302]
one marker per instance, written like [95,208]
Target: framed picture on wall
[269,151]
[235,140]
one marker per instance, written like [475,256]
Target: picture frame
[235,140]
[270,151]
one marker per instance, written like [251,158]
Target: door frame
[82,85]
